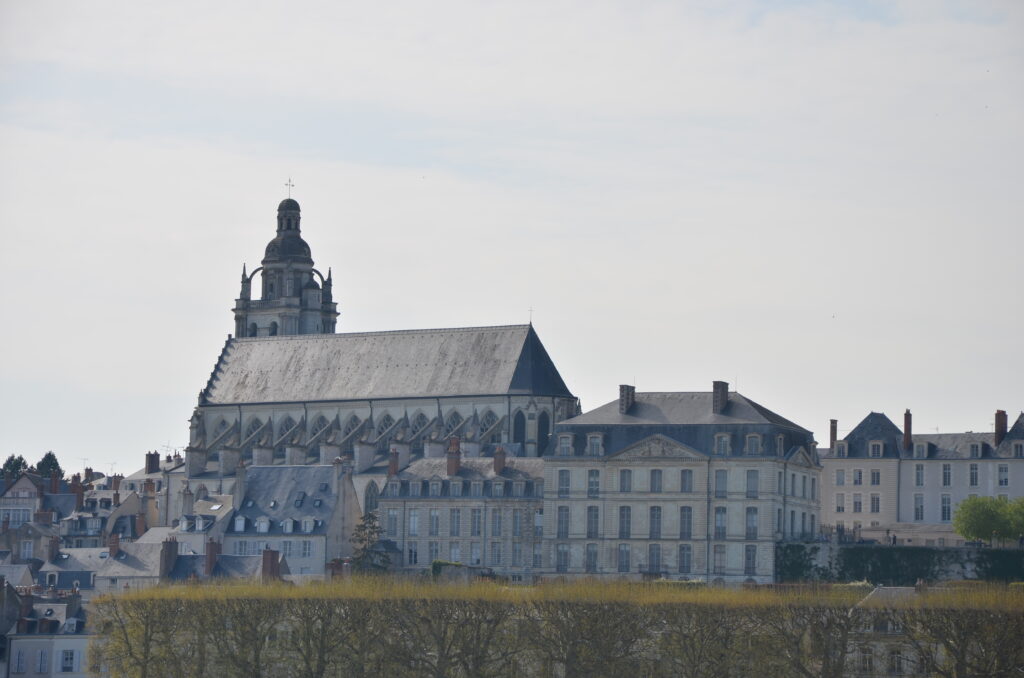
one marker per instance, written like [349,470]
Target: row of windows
[474,554]
[876,449]
[655,561]
[753,444]
[685,523]
[262,524]
[656,484]
[457,488]
[68,661]
[288,549]
[1002,475]
[875,501]
[500,521]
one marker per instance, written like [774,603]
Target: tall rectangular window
[750,559]
[496,553]
[655,480]
[413,557]
[593,522]
[946,508]
[722,444]
[753,479]
[594,446]
[517,522]
[918,475]
[496,522]
[685,522]
[563,482]
[435,522]
[858,476]
[590,558]
[686,480]
[718,559]
[414,522]
[623,558]
[876,450]
[918,507]
[517,554]
[840,502]
[1004,475]
[624,522]
[975,450]
[721,483]
[876,503]
[538,555]
[474,553]
[753,444]
[625,480]
[454,522]
[476,522]
[685,558]
[720,526]
[857,503]
[876,476]
[655,522]
[751,522]
[564,446]
[973,475]
[392,523]
[562,522]
[947,475]
[814,488]
[654,557]
[593,482]
[840,476]
[455,552]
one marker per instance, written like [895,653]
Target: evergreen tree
[366,535]
[14,466]
[48,464]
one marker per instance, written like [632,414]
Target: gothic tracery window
[452,423]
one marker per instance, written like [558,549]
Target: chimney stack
[212,551]
[908,433]
[833,434]
[152,462]
[54,482]
[89,475]
[78,491]
[140,525]
[719,396]
[499,460]
[271,566]
[54,549]
[627,396]
[114,544]
[148,488]
[117,499]
[115,482]
[454,456]
[1000,427]
[393,462]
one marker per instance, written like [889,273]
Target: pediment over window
[801,458]
[658,447]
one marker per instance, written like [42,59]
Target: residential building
[692,485]
[49,637]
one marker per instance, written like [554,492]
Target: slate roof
[273,491]
[682,408]
[475,468]
[134,560]
[16,575]
[469,361]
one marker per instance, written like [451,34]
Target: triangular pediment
[659,447]
[801,458]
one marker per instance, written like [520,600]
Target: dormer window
[780,445]
[841,448]
[287,525]
[476,489]
[263,525]
[722,444]
[455,487]
[875,449]
[975,450]
[239,523]
[753,444]
[414,488]
[435,488]
[393,489]
[920,450]
[517,489]
[564,445]
[498,489]
[308,524]
[186,524]
[594,445]
[1018,450]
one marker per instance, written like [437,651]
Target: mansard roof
[471,361]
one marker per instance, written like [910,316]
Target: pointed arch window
[419,423]
[287,425]
[519,428]
[386,422]
[452,423]
[353,422]
[543,431]
[320,424]
[254,426]
[487,422]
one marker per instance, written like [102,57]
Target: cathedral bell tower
[292,301]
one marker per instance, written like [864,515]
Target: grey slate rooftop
[409,363]
[288,492]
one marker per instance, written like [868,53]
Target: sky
[819,202]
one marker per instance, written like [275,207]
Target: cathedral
[288,390]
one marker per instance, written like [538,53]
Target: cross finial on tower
[290,186]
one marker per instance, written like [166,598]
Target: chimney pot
[833,433]
[908,432]
[393,462]
[627,396]
[54,482]
[499,460]
[719,396]
[1000,427]
[114,544]
[117,499]
[454,458]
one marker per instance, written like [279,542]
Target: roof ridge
[428,330]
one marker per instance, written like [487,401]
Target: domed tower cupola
[288,216]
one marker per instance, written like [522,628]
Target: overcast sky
[819,202]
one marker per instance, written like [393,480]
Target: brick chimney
[1000,427]
[454,456]
[393,462]
[833,433]
[115,482]
[212,551]
[140,524]
[499,460]
[114,544]
[149,487]
[908,431]
[627,396]
[89,475]
[43,517]
[152,462]
[78,491]
[53,549]
[719,396]
[54,482]
[117,499]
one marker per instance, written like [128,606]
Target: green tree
[14,466]
[48,464]
[983,518]
[366,535]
